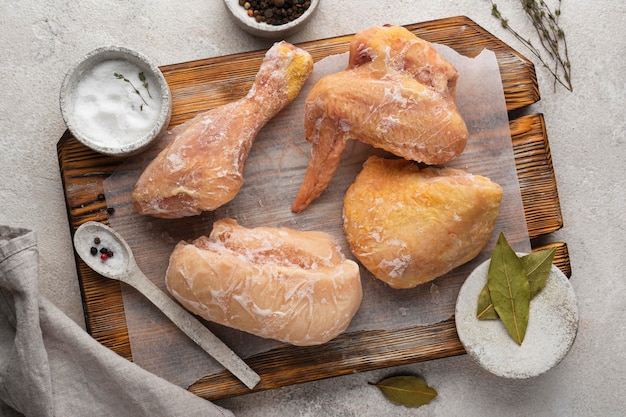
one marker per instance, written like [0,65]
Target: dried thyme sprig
[144,82]
[121,77]
[551,37]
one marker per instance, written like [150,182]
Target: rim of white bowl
[552,328]
[94,57]
[249,24]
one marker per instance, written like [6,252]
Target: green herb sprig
[551,37]
[144,82]
[145,85]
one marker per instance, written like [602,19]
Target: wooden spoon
[122,267]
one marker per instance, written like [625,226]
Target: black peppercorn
[94,251]
[275,12]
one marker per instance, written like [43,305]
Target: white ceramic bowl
[552,328]
[107,106]
[264,30]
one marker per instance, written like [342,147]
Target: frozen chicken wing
[397,94]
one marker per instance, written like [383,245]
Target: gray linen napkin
[49,366]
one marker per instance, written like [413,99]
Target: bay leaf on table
[407,390]
[509,289]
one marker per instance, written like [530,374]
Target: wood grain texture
[534,169]
[204,84]
[349,353]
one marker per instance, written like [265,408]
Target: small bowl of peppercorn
[273,19]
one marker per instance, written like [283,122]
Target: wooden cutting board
[227,78]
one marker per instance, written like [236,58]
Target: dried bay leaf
[485,310]
[537,266]
[509,289]
[410,391]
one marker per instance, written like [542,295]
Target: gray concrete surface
[39,40]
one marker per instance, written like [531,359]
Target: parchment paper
[273,173]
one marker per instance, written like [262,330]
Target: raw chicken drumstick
[202,168]
[397,94]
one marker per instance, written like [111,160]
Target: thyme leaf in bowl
[123,78]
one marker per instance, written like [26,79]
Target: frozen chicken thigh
[409,226]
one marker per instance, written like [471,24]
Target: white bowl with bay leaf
[116,101]
[516,314]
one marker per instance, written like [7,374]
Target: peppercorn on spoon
[116,261]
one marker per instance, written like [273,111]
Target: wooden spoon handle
[194,329]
